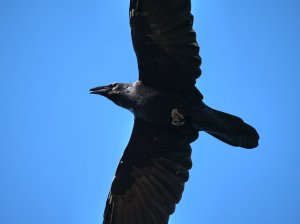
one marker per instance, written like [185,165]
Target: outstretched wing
[150,177]
[165,44]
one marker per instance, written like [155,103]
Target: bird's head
[119,93]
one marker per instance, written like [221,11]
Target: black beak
[101,90]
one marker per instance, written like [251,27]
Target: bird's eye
[114,85]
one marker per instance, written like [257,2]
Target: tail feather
[230,129]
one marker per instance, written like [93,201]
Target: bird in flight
[169,113]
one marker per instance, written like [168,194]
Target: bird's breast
[166,110]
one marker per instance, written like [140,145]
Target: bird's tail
[228,128]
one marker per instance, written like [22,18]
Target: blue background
[60,146]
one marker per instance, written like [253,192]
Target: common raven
[169,113]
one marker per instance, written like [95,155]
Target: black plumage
[169,113]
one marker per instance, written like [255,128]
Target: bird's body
[169,113]
[156,105]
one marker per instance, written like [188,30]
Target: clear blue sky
[60,146]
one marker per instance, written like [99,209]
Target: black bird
[169,113]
